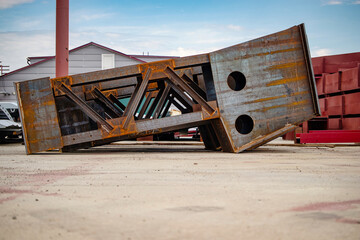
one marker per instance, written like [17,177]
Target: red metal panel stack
[332,82]
[338,87]
[350,78]
[351,103]
[320,84]
[334,105]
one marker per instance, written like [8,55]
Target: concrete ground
[180,192]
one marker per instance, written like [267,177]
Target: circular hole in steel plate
[244,124]
[236,81]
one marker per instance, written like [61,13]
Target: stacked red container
[338,85]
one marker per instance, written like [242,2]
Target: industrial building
[85,58]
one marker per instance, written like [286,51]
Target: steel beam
[135,99]
[178,81]
[149,96]
[107,102]
[161,102]
[117,102]
[180,92]
[87,110]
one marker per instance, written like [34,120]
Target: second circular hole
[244,124]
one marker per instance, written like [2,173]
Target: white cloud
[334,2]
[340,2]
[10,3]
[181,40]
[181,52]
[235,27]
[322,52]
[97,16]
[81,15]
[15,47]
[28,24]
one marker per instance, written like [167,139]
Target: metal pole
[62,38]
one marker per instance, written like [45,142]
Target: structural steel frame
[240,97]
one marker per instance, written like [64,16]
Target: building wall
[89,59]
[82,60]
[45,69]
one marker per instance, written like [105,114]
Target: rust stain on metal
[286,65]
[210,90]
[286,80]
[277,97]
[288,105]
[264,139]
[277,51]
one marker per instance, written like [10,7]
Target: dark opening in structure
[244,124]
[236,81]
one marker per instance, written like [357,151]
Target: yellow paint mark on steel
[286,80]
[286,65]
[293,104]
[277,97]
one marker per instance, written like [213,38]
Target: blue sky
[179,28]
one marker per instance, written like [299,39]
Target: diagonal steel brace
[178,81]
[87,110]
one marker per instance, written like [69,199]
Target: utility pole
[62,38]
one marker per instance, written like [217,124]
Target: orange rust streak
[278,51]
[286,80]
[277,97]
[34,125]
[49,103]
[41,140]
[283,105]
[152,85]
[259,44]
[286,65]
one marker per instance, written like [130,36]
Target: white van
[10,124]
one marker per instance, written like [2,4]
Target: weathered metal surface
[240,97]
[271,86]
[87,109]
[38,115]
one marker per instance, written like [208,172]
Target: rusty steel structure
[240,97]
